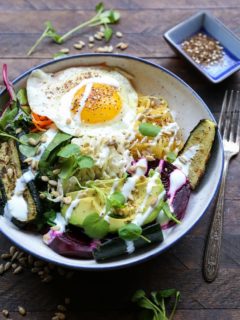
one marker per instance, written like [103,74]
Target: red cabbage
[9,87]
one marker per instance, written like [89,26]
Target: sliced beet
[73,245]
[181,197]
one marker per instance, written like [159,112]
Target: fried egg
[84,100]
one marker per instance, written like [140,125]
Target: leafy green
[171,157]
[22,96]
[168,213]
[68,168]
[117,200]
[9,136]
[8,117]
[59,138]
[25,148]
[154,307]
[130,232]
[49,217]
[101,18]
[149,129]
[95,226]
[69,151]
[85,162]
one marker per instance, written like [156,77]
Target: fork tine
[227,114]
[238,118]
[234,118]
[221,119]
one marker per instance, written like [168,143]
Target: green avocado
[93,199]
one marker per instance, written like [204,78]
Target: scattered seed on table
[61,308]
[6,256]
[91,39]
[78,46]
[90,45]
[22,311]
[5,313]
[35,270]
[47,279]
[55,318]
[7,266]
[14,265]
[1,269]
[18,270]
[122,45]
[64,50]
[60,315]
[105,49]
[119,34]
[15,255]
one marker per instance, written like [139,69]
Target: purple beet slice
[74,245]
[181,196]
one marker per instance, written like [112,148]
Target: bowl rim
[119,264]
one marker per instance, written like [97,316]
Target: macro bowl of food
[106,160]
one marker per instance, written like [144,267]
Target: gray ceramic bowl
[189,109]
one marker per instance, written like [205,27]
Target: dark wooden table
[107,295]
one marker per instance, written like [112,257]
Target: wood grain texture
[107,295]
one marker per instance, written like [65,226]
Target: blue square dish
[205,23]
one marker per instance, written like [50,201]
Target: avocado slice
[91,201]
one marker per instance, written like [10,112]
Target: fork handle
[213,245]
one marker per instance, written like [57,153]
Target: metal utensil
[229,126]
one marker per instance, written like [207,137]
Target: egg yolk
[102,104]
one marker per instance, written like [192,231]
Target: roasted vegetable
[117,247]
[196,151]
[10,171]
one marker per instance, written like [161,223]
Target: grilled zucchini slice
[10,170]
[201,138]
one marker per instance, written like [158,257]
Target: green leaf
[85,162]
[108,33]
[149,129]
[26,149]
[139,294]
[130,232]
[22,96]
[59,55]
[69,151]
[99,7]
[114,16]
[168,213]
[117,200]
[95,226]
[166,293]
[51,32]
[171,157]
[8,117]
[59,138]
[49,217]
[67,168]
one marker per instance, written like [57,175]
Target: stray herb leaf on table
[154,306]
[103,17]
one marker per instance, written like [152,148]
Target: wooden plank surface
[107,295]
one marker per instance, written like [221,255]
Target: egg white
[52,95]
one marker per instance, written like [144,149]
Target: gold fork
[229,127]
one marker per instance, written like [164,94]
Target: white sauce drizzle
[114,186]
[177,180]
[150,185]
[183,161]
[60,222]
[170,128]
[130,246]
[128,187]
[86,94]
[17,206]
[141,218]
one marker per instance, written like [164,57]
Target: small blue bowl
[205,23]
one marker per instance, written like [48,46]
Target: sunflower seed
[56,171]
[60,315]
[10,173]
[90,45]
[122,45]
[5,256]
[119,34]
[22,311]
[18,270]
[32,141]
[61,308]
[35,270]
[1,269]
[15,255]
[91,39]
[78,46]
[14,265]
[52,183]
[5,313]
[64,50]
[44,178]
[7,266]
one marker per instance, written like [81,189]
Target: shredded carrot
[40,122]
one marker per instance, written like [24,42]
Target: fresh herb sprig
[103,17]
[154,307]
